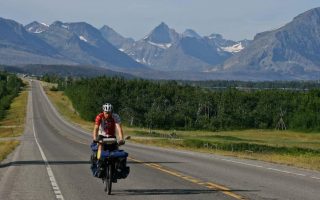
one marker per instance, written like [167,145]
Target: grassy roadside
[284,147]
[13,123]
[64,106]
[307,161]
[6,147]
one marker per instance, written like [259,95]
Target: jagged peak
[36,27]
[57,23]
[215,36]
[161,34]
[8,20]
[108,30]
[33,23]
[11,23]
[315,12]
[79,24]
[191,33]
[36,23]
[163,25]
[106,27]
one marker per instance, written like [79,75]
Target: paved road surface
[52,163]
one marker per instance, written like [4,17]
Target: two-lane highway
[52,163]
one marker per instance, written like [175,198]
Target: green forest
[172,105]
[10,86]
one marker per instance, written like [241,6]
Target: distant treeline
[218,84]
[10,86]
[171,105]
[248,85]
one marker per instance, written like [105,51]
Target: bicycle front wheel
[109,173]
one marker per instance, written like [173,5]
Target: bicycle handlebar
[104,142]
[112,140]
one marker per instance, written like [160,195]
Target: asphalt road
[52,163]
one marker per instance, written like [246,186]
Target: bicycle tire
[109,174]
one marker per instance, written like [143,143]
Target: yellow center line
[225,190]
[209,185]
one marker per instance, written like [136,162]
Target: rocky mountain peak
[57,23]
[36,27]
[106,28]
[313,14]
[8,25]
[115,38]
[161,34]
[293,48]
[109,33]
[191,33]
[215,36]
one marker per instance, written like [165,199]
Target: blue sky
[234,19]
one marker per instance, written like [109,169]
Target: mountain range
[289,52]
[293,49]
[166,50]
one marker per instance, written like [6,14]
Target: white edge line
[287,172]
[315,177]
[238,162]
[57,113]
[53,181]
[259,166]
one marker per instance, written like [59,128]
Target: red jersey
[107,127]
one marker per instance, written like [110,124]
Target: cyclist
[106,125]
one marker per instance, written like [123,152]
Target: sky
[234,19]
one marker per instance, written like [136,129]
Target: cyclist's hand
[121,142]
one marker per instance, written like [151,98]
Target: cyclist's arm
[117,120]
[97,122]
[119,131]
[95,132]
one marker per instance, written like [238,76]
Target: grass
[65,108]
[307,161]
[260,137]
[7,147]
[284,147]
[13,123]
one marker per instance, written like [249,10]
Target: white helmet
[107,107]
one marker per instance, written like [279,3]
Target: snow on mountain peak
[36,27]
[38,31]
[64,26]
[162,46]
[234,48]
[83,38]
[44,24]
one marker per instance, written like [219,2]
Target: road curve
[52,163]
